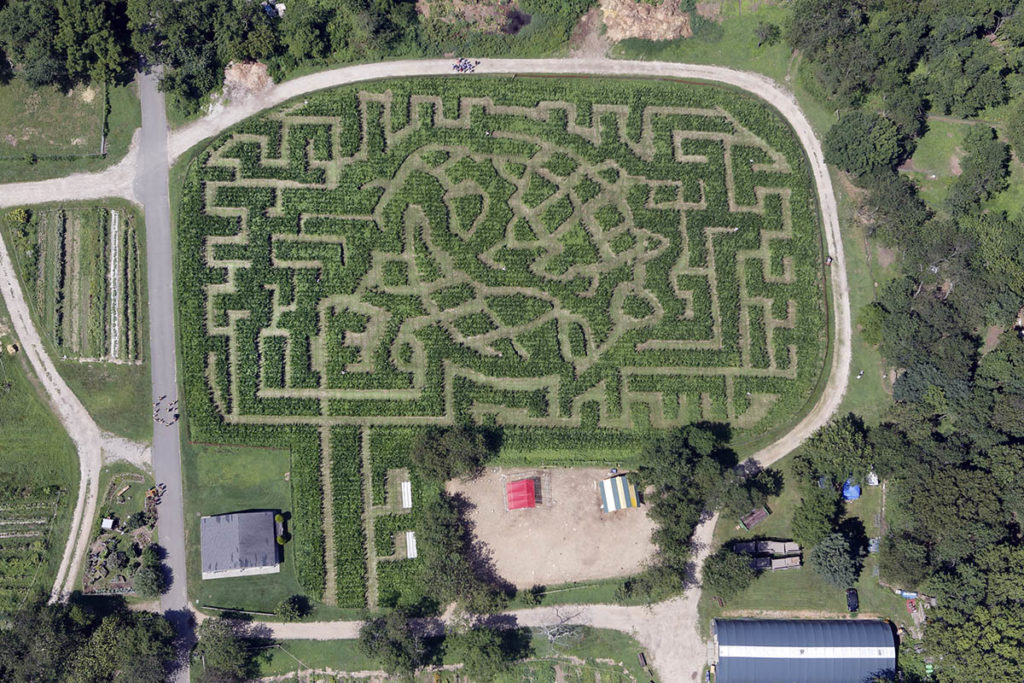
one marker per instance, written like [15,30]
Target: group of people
[463,65]
[170,415]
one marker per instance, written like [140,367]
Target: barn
[803,651]
[239,544]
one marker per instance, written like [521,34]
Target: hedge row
[307,516]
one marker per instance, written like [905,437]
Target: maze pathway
[425,252]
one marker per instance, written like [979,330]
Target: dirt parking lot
[566,537]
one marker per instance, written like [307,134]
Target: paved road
[152,190]
[669,629]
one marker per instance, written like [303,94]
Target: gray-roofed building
[239,544]
[803,651]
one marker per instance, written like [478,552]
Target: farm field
[47,133]
[83,271]
[38,482]
[577,264]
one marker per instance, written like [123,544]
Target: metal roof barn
[803,651]
[617,493]
[239,544]
[521,494]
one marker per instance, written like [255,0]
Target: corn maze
[574,261]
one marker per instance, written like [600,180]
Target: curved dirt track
[668,630]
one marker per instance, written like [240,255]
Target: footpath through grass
[52,131]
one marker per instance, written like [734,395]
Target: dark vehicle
[852,600]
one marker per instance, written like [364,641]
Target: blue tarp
[851,491]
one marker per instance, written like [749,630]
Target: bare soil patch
[954,165]
[635,19]
[245,78]
[565,538]
[886,256]
[992,335]
[487,16]
[587,39]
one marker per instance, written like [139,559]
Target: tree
[767,34]
[727,573]
[393,642]
[983,171]
[222,652]
[132,647]
[449,572]
[293,608]
[149,582]
[862,143]
[816,516]
[444,454]
[482,653]
[903,561]
[835,561]
[838,450]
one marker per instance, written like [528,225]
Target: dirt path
[115,181]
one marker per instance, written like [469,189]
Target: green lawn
[35,451]
[49,122]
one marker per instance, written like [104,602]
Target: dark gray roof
[240,540]
[799,651]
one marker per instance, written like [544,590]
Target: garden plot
[576,263]
[565,538]
[83,278]
[25,523]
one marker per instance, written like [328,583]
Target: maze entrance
[586,257]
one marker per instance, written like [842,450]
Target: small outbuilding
[617,494]
[803,651]
[521,494]
[239,544]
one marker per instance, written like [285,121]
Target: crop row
[307,515]
[349,538]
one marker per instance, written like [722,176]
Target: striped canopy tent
[521,494]
[617,493]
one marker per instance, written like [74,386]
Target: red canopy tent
[520,494]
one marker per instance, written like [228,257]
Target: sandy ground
[565,538]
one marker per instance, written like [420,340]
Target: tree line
[65,42]
[952,446]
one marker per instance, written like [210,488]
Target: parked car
[852,599]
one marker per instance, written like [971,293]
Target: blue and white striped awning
[617,493]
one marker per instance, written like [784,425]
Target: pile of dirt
[486,16]
[639,19]
[242,79]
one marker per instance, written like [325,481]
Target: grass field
[58,128]
[596,655]
[87,293]
[35,455]
[577,264]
